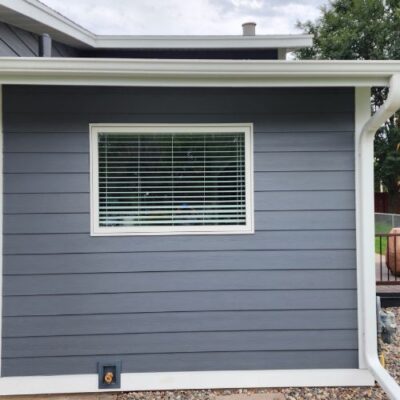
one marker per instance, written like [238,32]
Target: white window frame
[97,230]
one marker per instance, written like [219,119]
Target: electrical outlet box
[109,374]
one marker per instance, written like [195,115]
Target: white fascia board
[188,380]
[217,73]
[203,42]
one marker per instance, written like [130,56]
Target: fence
[387,249]
[385,222]
[387,259]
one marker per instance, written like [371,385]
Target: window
[171,179]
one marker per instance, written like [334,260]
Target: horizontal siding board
[46,183]
[175,281]
[274,240]
[266,220]
[67,203]
[271,181]
[179,261]
[282,161]
[264,123]
[75,142]
[46,142]
[303,200]
[180,301]
[178,322]
[47,203]
[180,342]
[194,101]
[186,362]
[322,161]
[46,162]
[314,180]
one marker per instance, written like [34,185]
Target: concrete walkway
[95,396]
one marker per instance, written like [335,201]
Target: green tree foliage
[364,30]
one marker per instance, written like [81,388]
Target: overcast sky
[186,17]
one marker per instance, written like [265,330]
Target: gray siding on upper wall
[16,42]
[284,297]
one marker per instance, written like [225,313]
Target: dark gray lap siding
[284,297]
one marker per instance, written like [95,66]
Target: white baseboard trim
[188,380]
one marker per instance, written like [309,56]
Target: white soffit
[204,42]
[36,17]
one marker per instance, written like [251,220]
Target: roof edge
[202,41]
[32,15]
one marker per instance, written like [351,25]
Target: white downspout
[366,231]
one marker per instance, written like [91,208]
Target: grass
[378,248]
[381,243]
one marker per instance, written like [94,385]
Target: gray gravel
[392,355]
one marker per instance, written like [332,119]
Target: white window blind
[166,180]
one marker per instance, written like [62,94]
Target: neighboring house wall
[18,42]
[284,297]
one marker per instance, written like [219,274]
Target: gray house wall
[283,298]
[16,42]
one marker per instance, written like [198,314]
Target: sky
[186,17]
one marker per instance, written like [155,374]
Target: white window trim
[96,230]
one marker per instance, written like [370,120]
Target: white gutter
[365,200]
[216,73]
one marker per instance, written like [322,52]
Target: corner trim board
[188,380]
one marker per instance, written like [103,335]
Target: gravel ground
[392,356]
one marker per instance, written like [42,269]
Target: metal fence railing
[387,249]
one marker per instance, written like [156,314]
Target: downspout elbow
[385,380]
[389,107]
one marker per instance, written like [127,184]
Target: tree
[364,30]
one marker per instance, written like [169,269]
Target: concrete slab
[94,396]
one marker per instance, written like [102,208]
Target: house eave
[36,17]
[216,73]
[202,42]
